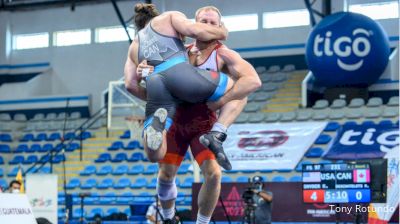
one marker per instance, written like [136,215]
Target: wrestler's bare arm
[131,77]
[247,80]
[199,31]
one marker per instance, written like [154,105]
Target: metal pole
[310,11]
[326,7]
[121,19]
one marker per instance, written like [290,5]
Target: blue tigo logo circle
[347,49]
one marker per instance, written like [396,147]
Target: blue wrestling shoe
[154,133]
[213,140]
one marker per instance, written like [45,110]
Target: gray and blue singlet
[174,79]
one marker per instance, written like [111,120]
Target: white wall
[77,70]
[87,69]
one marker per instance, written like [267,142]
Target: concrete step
[291,94]
[278,110]
[285,99]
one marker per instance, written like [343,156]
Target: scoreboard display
[336,183]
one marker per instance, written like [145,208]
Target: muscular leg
[210,189]
[166,174]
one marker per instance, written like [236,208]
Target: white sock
[201,219]
[167,213]
[219,127]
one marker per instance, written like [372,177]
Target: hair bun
[144,8]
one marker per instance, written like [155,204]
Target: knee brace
[166,190]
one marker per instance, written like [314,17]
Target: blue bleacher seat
[187,183]
[89,170]
[144,197]
[104,170]
[120,170]
[73,183]
[89,184]
[188,200]
[248,171]
[58,147]
[136,169]
[44,170]
[58,158]
[315,152]
[5,138]
[92,199]
[278,179]
[122,183]
[332,126]
[184,169]
[108,198]
[119,157]
[152,184]
[350,123]
[84,135]
[27,137]
[139,183]
[323,139]
[31,159]
[299,167]
[17,160]
[295,179]
[151,169]
[111,211]
[60,213]
[284,170]
[21,148]
[45,158]
[177,182]
[1,172]
[54,136]
[5,148]
[180,198]
[116,146]
[34,148]
[242,179]
[46,148]
[77,213]
[125,198]
[368,123]
[1,160]
[106,183]
[13,172]
[3,184]
[69,136]
[226,179]
[385,122]
[135,157]
[132,145]
[72,147]
[187,156]
[104,157]
[126,135]
[94,212]
[40,137]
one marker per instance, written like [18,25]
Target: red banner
[288,205]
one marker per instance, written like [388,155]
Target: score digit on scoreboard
[336,183]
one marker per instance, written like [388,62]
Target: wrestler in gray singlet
[174,79]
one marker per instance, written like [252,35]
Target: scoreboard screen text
[336,183]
